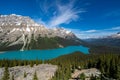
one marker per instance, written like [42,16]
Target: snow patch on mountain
[18,29]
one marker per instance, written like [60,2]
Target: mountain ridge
[22,31]
[112,40]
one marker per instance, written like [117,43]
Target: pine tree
[6,74]
[112,68]
[12,77]
[118,72]
[35,77]
[25,75]
[93,78]
[82,76]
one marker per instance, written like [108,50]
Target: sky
[85,18]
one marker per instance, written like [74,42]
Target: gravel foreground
[43,71]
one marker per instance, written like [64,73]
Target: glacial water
[42,54]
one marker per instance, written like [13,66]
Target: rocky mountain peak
[17,29]
[16,20]
[25,24]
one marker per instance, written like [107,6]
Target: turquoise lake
[42,54]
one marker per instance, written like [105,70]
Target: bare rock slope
[22,33]
[43,72]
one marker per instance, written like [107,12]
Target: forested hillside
[108,64]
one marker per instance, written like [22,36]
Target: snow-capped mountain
[112,40]
[22,31]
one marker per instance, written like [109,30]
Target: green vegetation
[40,43]
[82,76]
[49,43]
[25,75]
[12,63]
[96,49]
[108,64]
[12,77]
[95,78]
[6,74]
[35,76]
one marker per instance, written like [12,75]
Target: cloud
[84,34]
[54,13]
[116,28]
[40,21]
[57,12]
[91,31]
[45,5]
[67,13]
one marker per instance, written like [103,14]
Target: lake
[42,54]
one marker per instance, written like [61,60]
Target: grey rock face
[17,29]
[43,71]
[87,72]
[17,24]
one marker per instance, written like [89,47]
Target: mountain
[22,33]
[112,40]
[106,44]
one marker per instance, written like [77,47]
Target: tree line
[108,64]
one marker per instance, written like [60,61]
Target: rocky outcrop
[43,71]
[87,72]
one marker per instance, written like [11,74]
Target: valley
[31,51]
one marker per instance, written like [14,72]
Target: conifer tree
[6,74]
[35,76]
[25,75]
[82,76]
[12,77]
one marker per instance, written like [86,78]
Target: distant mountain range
[103,45]
[22,33]
[113,40]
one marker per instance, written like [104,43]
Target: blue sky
[86,18]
